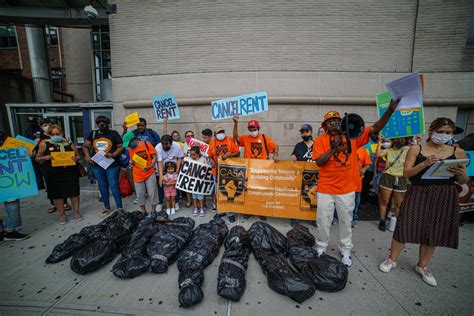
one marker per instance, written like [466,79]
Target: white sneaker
[202,213]
[176,206]
[173,211]
[135,201]
[387,265]
[320,251]
[427,275]
[168,211]
[346,258]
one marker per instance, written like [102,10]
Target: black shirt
[106,141]
[303,152]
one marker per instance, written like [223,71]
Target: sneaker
[214,207]
[346,258]
[173,211]
[62,219]
[387,265]
[382,225]
[77,217]
[67,207]
[320,251]
[232,218]
[12,236]
[354,224]
[334,221]
[176,206]
[425,273]
[135,201]
[195,212]
[168,211]
[202,213]
[105,213]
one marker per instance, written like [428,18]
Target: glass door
[58,119]
[76,128]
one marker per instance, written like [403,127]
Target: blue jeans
[109,178]
[13,221]
[355,212]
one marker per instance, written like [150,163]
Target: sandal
[105,212]
[67,207]
[51,209]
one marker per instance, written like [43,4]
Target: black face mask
[307,137]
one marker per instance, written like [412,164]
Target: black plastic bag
[299,236]
[231,282]
[93,256]
[130,267]
[68,247]
[190,292]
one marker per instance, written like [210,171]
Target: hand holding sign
[165,106]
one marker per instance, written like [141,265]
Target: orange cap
[332,114]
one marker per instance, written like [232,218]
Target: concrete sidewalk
[29,286]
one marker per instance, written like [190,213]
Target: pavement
[29,286]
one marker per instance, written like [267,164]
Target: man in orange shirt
[336,185]
[256,145]
[224,147]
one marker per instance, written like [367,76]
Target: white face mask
[254,133]
[441,138]
[45,128]
[387,145]
[220,136]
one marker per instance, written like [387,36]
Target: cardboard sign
[139,161]
[165,106]
[195,177]
[267,188]
[401,123]
[242,105]
[25,139]
[470,163]
[62,158]
[203,147]
[11,142]
[17,177]
[132,119]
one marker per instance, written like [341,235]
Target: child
[198,199]
[170,187]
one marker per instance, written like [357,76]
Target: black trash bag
[265,237]
[93,256]
[68,247]
[130,267]
[198,254]
[170,239]
[299,236]
[231,280]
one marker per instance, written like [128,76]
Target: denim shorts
[199,197]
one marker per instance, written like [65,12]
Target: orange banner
[267,188]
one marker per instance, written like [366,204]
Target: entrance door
[72,124]
[58,119]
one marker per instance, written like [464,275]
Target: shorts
[394,183]
[199,197]
[170,191]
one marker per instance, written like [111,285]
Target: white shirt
[172,154]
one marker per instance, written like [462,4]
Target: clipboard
[439,170]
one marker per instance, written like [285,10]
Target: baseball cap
[332,114]
[253,123]
[218,128]
[306,127]
[127,138]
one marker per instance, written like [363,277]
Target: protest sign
[62,158]
[242,105]
[267,188]
[132,119]
[165,106]
[19,137]
[17,177]
[409,89]
[203,147]
[401,123]
[139,161]
[195,177]
[470,164]
[11,142]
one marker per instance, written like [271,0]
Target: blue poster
[470,164]
[165,106]
[17,177]
[401,123]
[26,140]
[242,105]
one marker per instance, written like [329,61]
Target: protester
[143,133]
[256,145]
[392,182]
[62,182]
[198,199]
[177,138]
[429,214]
[336,186]
[33,130]
[223,147]
[206,138]
[109,142]
[144,177]
[170,179]
[186,152]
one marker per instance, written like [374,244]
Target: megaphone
[352,125]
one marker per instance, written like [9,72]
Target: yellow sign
[11,142]
[267,188]
[132,119]
[139,161]
[62,159]
[373,148]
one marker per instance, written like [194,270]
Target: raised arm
[236,128]
[165,126]
[377,127]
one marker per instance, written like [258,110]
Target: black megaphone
[352,126]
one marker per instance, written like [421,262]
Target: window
[7,36]
[52,35]
[101,58]
[56,78]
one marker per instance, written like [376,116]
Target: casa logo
[309,187]
[231,181]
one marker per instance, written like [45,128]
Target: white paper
[439,170]
[408,89]
[100,159]
[428,174]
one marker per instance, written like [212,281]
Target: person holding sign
[143,159]
[142,132]
[429,214]
[337,182]
[62,179]
[198,199]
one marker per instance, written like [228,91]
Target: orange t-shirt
[336,175]
[144,150]
[364,159]
[217,148]
[254,147]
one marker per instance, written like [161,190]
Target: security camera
[91,13]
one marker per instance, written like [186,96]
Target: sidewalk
[29,286]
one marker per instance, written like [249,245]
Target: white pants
[150,186]
[344,204]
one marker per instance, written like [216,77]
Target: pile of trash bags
[197,255]
[96,245]
[231,280]
[269,247]
[326,272]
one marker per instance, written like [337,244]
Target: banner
[401,123]
[17,177]
[62,159]
[195,177]
[165,106]
[203,147]
[470,164]
[11,142]
[132,119]
[263,187]
[242,105]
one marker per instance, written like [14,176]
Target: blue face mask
[133,145]
[56,138]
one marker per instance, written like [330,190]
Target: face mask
[441,138]
[220,136]
[188,139]
[45,129]
[133,145]
[56,138]
[387,145]
[254,133]
[306,137]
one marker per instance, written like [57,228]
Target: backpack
[152,135]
